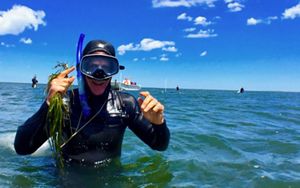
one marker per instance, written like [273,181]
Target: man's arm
[155,136]
[33,133]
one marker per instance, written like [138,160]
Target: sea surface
[218,139]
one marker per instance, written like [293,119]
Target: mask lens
[92,64]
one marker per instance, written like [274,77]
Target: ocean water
[218,139]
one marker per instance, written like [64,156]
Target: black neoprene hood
[99,45]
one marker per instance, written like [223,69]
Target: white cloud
[200,20]
[268,20]
[183,16]
[292,12]
[7,45]
[191,29]
[164,59]
[182,3]
[202,34]
[126,47]
[135,59]
[170,49]
[253,21]
[26,40]
[204,53]
[235,7]
[147,44]
[19,18]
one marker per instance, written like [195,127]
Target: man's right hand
[60,84]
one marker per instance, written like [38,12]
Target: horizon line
[251,90]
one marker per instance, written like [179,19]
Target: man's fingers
[144,93]
[61,84]
[150,105]
[146,101]
[159,108]
[58,88]
[61,89]
[65,73]
[71,80]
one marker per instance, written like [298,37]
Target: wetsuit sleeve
[33,133]
[155,136]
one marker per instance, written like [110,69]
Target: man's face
[97,87]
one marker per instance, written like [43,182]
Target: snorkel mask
[98,66]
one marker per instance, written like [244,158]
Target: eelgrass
[55,116]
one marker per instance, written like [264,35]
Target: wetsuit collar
[95,102]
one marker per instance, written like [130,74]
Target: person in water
[110,113]
[34,82]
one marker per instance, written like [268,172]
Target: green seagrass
[55,117]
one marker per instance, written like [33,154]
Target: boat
[130,87]
[126,85]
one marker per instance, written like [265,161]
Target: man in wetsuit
[99,133]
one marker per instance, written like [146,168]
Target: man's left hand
[152,109]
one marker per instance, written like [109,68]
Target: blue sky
[203,44]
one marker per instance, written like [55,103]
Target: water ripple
[218,139]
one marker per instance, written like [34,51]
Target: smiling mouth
[99,82]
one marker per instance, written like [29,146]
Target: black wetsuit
[102,138]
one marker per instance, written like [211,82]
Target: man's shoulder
[127,98]
[125,95]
